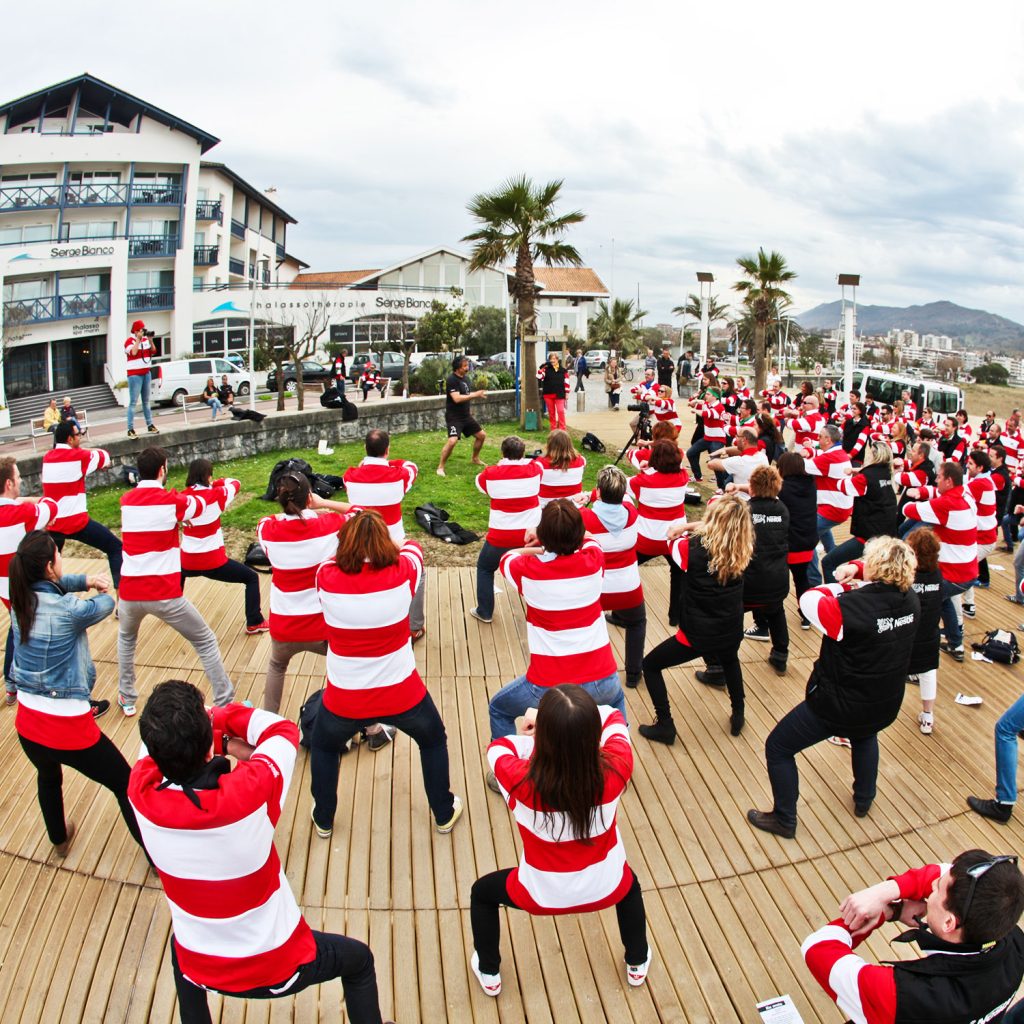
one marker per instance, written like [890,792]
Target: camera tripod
[642,432]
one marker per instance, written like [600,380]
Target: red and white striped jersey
[664,411]
[16,519]
[565,628]
[558,874]
[381,484]
[370,377]
[202,540]
[561,483]
[513,485]
[954,516]
[1012,441]
[61,723]
[141,362]
[983,491]
[807,427]
[661,502]
[737,424]
[64,472]
[828,469]
[371,670]
[295,547]
[713,416]
[820,606]
[778,400]
[910,411]
[621,587]
[235,920]
[150,514]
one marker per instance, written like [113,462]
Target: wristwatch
[897,910]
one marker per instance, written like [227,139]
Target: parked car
[507,360]
[170,381]
[388,364]
[311,373]
[597,358]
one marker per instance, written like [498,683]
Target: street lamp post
[704,280]
[850,281]
[252,334]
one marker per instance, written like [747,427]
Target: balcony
[236,266]
[209,209]
[95,195]
[156,195]
[280,251]
[29,197]
[141,300]
[238,229]
[57,307]
[205,256]
[152,246]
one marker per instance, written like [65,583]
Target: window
[166,228]
[91,229]
[30,288]
[200,366]
[156,178]
[944,402]
[36,178]
[95,177]
[26,233]
[151,280]
[223,366]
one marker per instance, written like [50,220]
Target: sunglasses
[975,872]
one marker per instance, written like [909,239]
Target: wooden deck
[87,938]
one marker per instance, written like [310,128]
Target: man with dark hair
[458,419]
[209,828]
[665,367]
[963,916]
[151,583]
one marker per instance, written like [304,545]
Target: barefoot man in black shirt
[457,416]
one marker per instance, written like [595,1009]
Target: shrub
[430,377]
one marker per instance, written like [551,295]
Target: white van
[942,399]
[170,381]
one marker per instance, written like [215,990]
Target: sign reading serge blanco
[350,303]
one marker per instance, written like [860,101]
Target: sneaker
[926,722]
[1013,599]
[636,974]
[99,707]
[152,429]
[262,627]
[861,810]
[633,681]
[757,633]
[839,741]
[914,680]
[662,731]
[126,705]
[476,615]
[440,472]
[492,782]
[983,586]
[323,833]
[10,697]
[450,823]
[991,809]
[381,738]
[957,653]
[805,623]
[968,610]
[490,983]
[767,822]
[131,433]
[778,661]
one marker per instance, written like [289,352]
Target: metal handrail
[88,194]
[209,209]
[156,195]
[236,266]
[152,245]
[57,307]
[205,255]
[29,197]
[142,299]
[237,228]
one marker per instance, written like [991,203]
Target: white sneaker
[839,741]
[926,720]
[491,983]
[636,974]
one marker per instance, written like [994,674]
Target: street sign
[818,369]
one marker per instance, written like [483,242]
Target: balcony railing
[236,266]
[209,209]
[57,307]
[29,197]
[156,195]
[95,195]
[280,251]
[142,299]
[205,256]
[152,245]
[237,229]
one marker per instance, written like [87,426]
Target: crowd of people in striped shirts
[346,583]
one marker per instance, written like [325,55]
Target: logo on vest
[888,624]
[759,518]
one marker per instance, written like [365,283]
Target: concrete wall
[296,432]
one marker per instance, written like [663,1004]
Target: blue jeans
[486,566]
[845,552]
[1010,723]
[138,387]
[1010,524]
[421,722]
[954,631]
[514,698]
[825,527]
[215,404]
[908,526]
[694,451]
[9,656]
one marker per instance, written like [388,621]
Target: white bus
[942,399]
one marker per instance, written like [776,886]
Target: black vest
[966,986]
[925,654]
[766,580]
[800,495]
[851,431]
[1004,492]
[710,614]
[874,512]
[928,468]
[857,683]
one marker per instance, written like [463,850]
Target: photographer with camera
[139,349]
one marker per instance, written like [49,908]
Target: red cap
[138,326]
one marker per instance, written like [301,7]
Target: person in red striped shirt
[561,577]
[613,524]
[301,536]
[380,482]
[365,593]
[139,351]
[202,541]
[209,827]
[54,674]
[18,516]
[562,779]
[151,585]
[711,413]
[982,486]
[513,486]
[563,470]
[65,468]
[829,467]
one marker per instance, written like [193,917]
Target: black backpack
[592,443]
[256,557]
[999,645]
[288,466]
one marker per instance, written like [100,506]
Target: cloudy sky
[885,139]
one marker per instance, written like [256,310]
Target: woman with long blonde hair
[712,555]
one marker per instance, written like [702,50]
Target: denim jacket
[56,661]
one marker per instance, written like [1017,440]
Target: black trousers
[96,535]
[337,956]
[774,617]
[634,621]
[675,581]
[234,572]
[491,891]
[102,762]
[672,652]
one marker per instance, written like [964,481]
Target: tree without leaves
[764,301]
[292,337]
[520,224]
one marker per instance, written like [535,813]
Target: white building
[108,213]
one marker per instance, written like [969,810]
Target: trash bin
[530,420]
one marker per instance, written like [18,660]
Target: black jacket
[766,580]
[1003,492]
[924,655]
[928,468]
[800,496]
[874,512]
[710,614]
[553,381]
[666,370]
[852,429]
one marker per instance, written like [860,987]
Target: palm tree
[692,307]
[616,326]
[763,299]
[520,224]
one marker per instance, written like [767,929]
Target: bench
[37,429]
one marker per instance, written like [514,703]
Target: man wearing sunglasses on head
[963,917]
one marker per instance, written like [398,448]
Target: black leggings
[102,762]
[491,891]
[234,572]
[673,652]
[801,584]
[675,581]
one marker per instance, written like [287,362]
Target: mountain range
[977,328]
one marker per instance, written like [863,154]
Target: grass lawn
[982,397]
